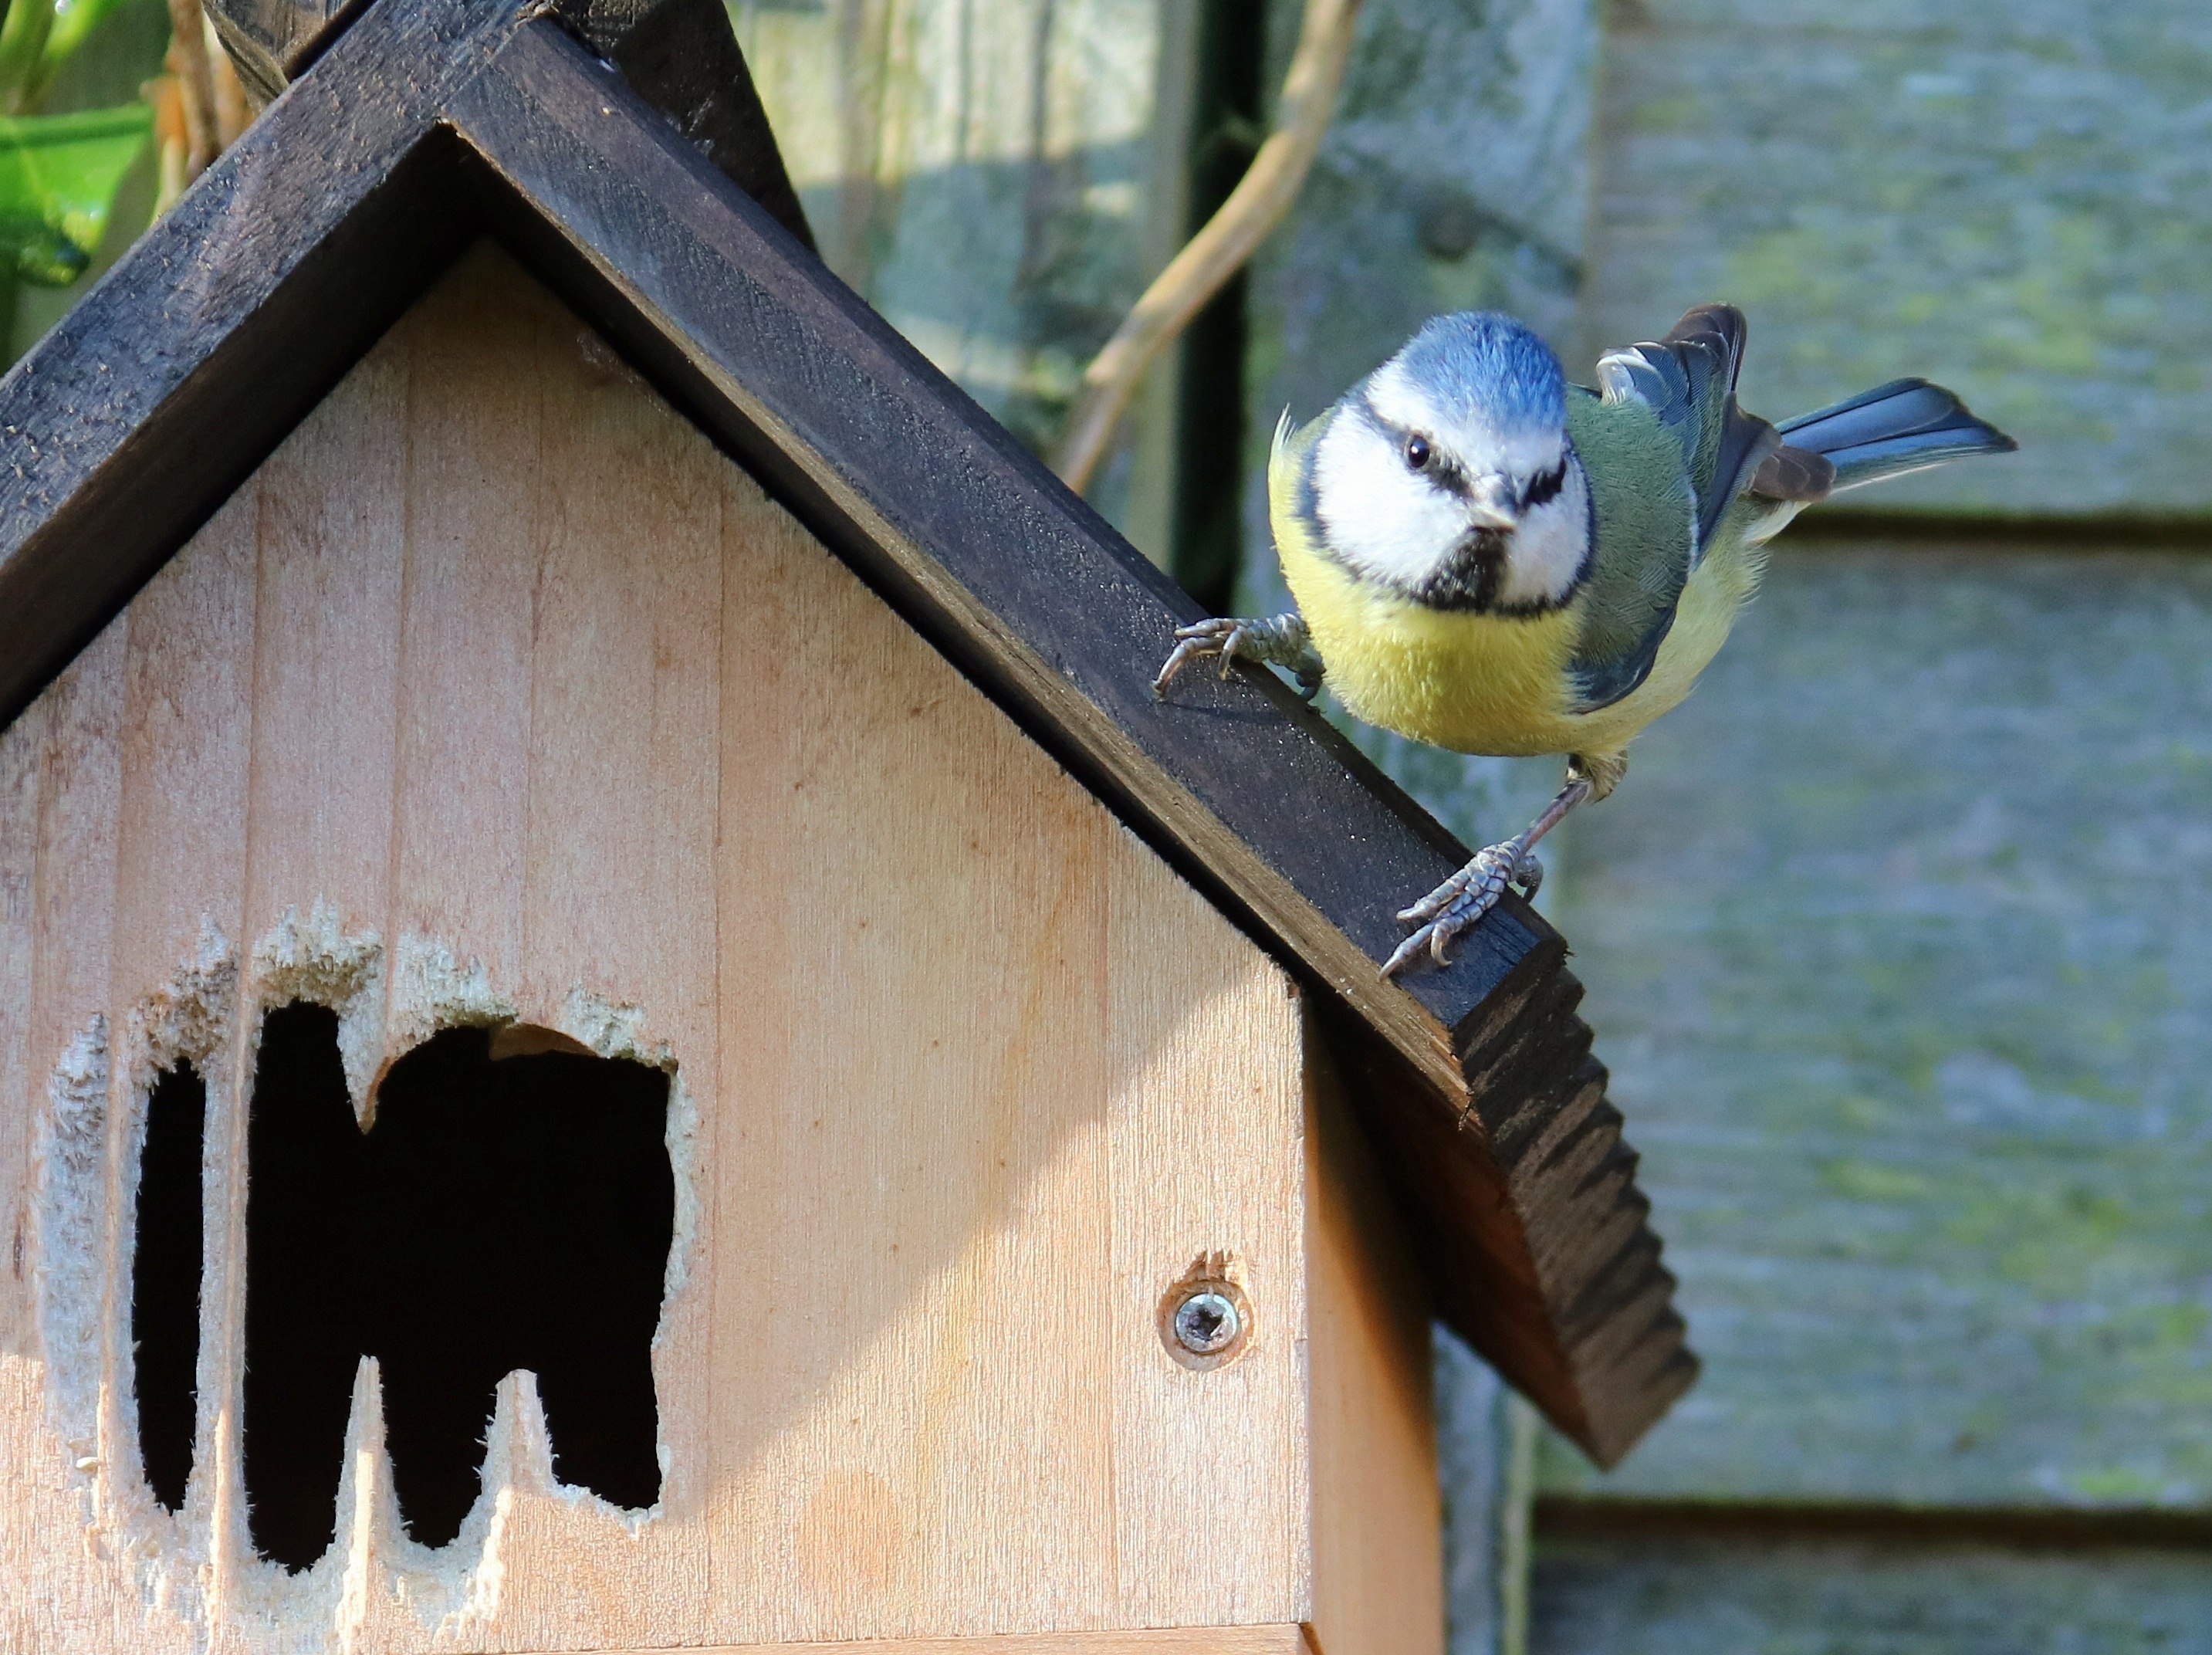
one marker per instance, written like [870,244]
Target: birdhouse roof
[619,152]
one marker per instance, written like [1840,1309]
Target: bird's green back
[1644,521]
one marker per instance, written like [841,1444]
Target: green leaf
[74,22]
[23,36]
[37,37]
[58,175]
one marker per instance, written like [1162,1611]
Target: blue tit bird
[1490,559]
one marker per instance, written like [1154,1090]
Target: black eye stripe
[1433,465]
[1442,473]
[1546,487]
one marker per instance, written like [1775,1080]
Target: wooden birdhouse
[623,1025]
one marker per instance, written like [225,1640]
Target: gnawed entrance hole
[498,1211]
[165,1279]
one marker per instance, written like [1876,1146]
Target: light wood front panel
[1160,1641]
[499,690]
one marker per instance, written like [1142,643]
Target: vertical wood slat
[22,744]
[65,760]
[326,633]
[75,908]
[21,1400]
[460,814]
[188,735]
[954,1142]
[181,872]
[1377,1521]
[1202,1050]
[1156,1640]
[1080,910]
[1001,179]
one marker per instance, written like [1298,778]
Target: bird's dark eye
[1417,452]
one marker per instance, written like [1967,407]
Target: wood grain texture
[21,745]
[71,746]
[1659,1597]
[2008,200]
[186,764]
[1157,1641]
[1378,1530]
[681,57]
[912,1381]
[1895,936]
[271,42]
[1156,1491]
[1575,1309]
[1000,178]
[1268,811]
[133,420]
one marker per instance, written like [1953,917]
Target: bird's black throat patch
[1467,577]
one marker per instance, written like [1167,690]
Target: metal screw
[1207,1322]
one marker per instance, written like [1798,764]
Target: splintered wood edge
[1525,1206]
[1607,1299]
[428,123]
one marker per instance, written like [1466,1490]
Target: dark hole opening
[165,1281]
[500,1214]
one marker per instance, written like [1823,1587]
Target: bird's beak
[1491,504]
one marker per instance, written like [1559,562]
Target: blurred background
[1899,936]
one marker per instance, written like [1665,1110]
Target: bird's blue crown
[1477,362]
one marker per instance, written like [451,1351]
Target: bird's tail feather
[1906,425]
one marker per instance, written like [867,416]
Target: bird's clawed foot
[1282,642]
[1453,907]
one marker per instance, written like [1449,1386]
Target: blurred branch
[233,110]
[199,106]
[195,75]
[1219,250]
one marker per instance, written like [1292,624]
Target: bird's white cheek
[1547,549]
[1379,516]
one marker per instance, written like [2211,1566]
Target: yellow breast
[1493,684]
[1484,684]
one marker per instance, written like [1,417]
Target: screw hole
[1205,1318]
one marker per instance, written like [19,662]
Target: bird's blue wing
[1668,451]
[1687,379]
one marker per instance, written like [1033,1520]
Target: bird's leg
[1452,909]
[1282,642]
